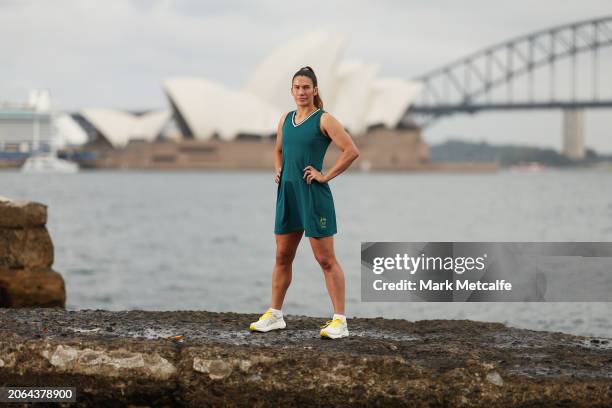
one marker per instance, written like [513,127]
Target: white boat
[48,163]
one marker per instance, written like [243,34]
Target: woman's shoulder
[326,116]
[324,121]
[284,117]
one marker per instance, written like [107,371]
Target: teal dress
[299,205]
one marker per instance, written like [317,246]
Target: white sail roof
[69,133]
[120,127]
[149,125]
[389,99]
[354,83]
[209,108]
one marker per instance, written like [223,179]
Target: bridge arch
[466,84]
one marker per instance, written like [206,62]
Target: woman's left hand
[310,173]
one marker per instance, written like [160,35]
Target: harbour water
[204,240]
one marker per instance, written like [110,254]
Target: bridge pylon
[573,133]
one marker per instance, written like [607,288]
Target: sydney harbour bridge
[557,68]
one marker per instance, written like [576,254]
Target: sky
[116,54]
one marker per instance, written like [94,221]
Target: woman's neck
[305,110]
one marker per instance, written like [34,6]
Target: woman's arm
[332,128]
[278,150]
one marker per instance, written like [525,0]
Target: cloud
[116,53]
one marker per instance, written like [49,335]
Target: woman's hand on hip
[310,173]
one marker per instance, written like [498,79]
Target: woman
[304,201]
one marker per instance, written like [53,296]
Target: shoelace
[332,323]
[268,313]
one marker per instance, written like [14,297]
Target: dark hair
[309,73]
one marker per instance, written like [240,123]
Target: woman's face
[303,91]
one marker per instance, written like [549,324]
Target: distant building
[33,126]
[24,130]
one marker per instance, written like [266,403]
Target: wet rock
[221,363]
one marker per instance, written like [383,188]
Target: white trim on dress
[303,120]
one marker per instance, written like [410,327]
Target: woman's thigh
[286,244]
[323,248]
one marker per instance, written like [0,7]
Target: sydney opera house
[213,126]
[202,109]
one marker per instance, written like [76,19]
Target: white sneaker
[268,321]
[335,329]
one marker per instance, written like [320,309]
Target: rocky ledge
[201,359]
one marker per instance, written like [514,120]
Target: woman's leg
[286,246]
[323,249]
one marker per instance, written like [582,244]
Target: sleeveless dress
[300,205]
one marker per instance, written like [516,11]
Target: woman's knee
[326,262]
[284,257]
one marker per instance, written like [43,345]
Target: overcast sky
[115,54]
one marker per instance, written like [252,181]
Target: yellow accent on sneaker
[335,329]
[332,323]
[267,313]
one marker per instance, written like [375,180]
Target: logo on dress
[322,222]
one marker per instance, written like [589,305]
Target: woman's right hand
[277,175]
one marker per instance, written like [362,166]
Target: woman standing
[304,201]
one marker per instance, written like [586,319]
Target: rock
[494,378]
[110,363]
[26,257]
[245,365]
[470,363]
[25,248]
[216,369]
[30,288]
[21,214]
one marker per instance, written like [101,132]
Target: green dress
[299,205]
